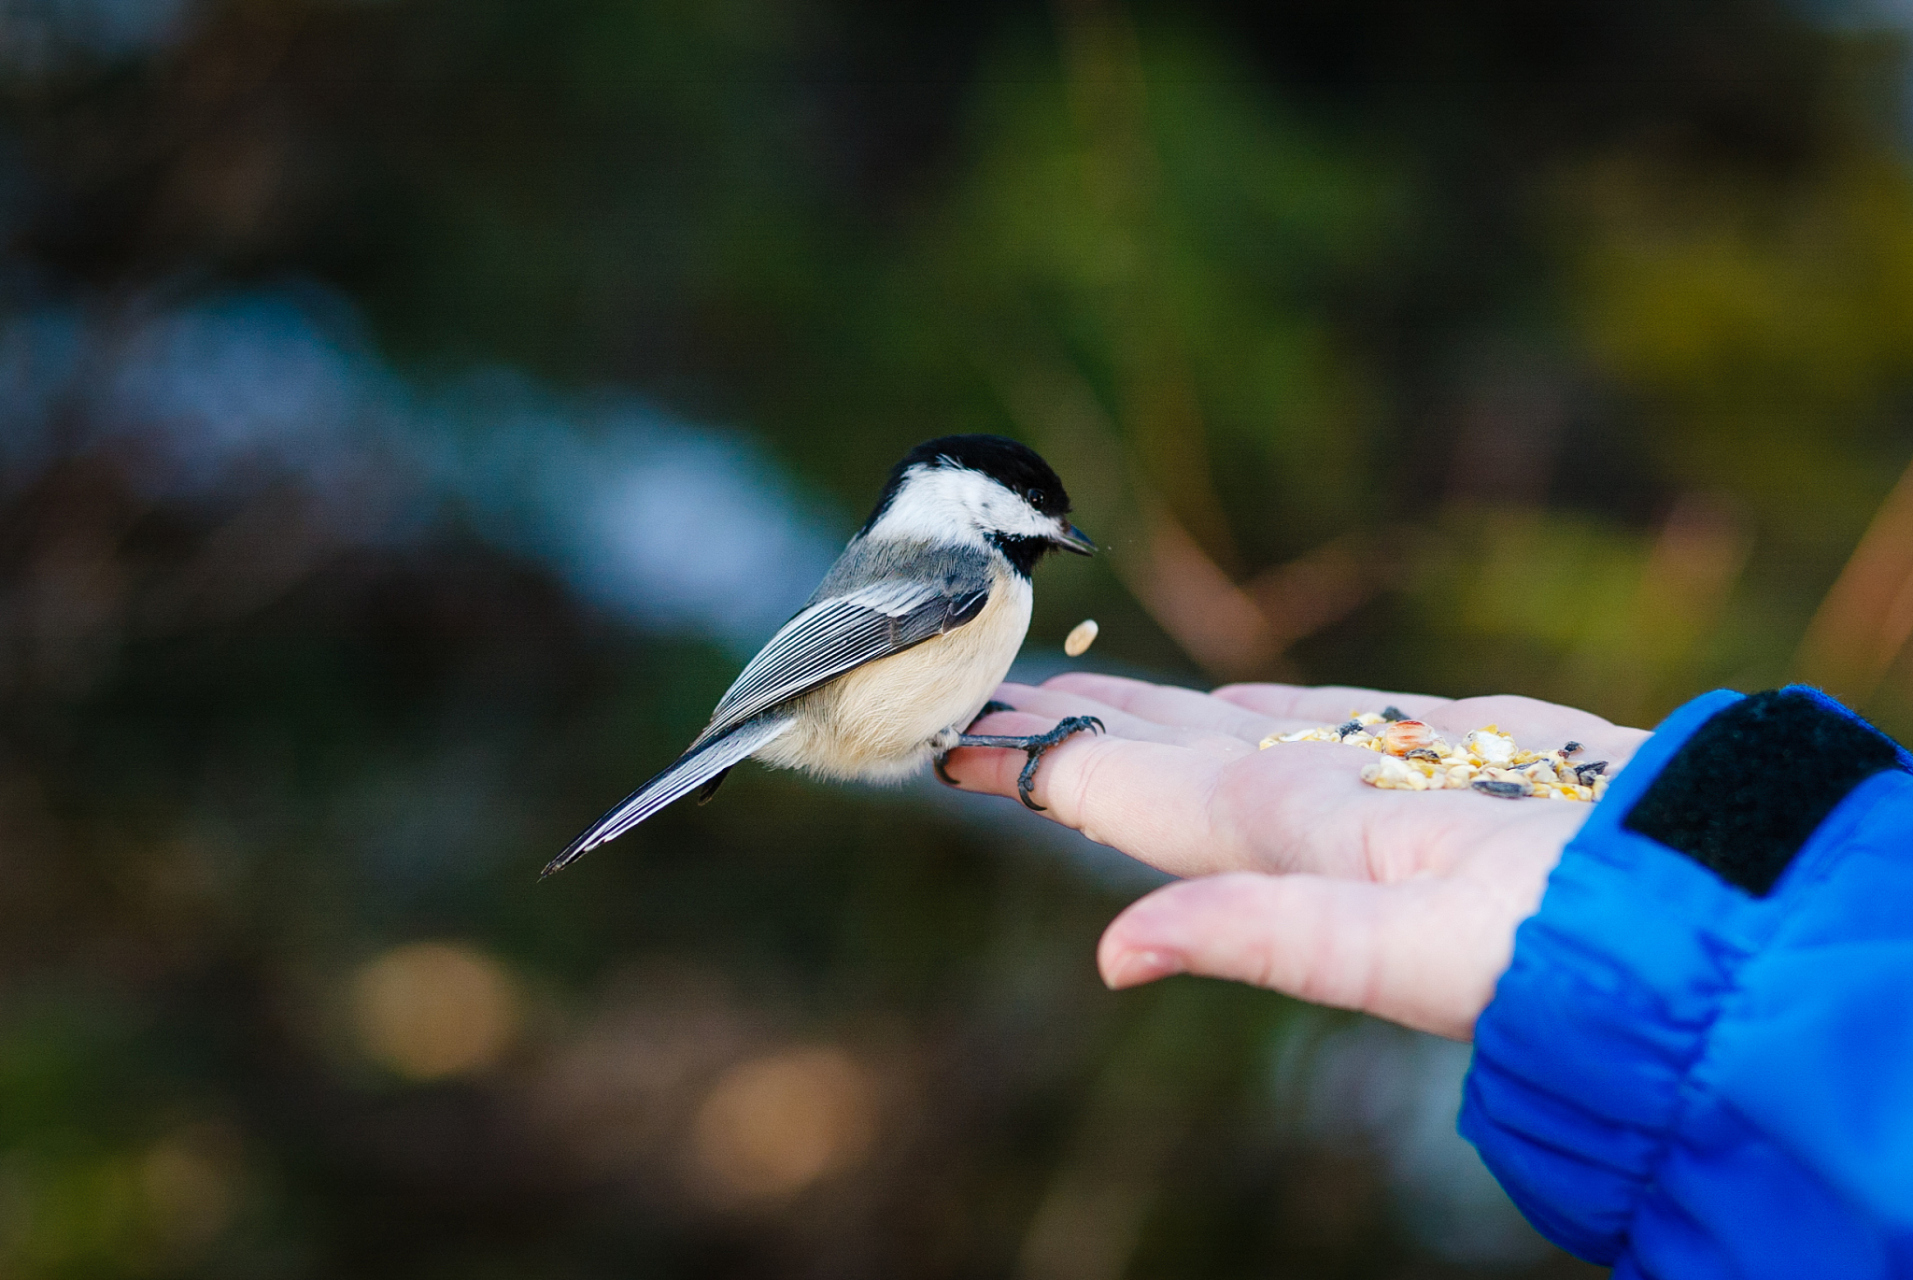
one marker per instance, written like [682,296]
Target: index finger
[1149,799]
[1172,705]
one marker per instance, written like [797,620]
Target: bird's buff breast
[880,721]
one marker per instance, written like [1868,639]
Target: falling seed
[1081,638]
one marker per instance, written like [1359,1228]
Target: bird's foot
[1033,746]
[940,760]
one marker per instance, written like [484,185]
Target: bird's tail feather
[693,769]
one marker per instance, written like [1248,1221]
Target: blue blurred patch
[673,526]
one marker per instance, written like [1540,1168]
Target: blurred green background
[413,411]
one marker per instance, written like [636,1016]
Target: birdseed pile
[1416,758]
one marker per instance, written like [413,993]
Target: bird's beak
[1070,538]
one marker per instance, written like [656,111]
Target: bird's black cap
[1014,465]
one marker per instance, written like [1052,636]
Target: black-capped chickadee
[897,650]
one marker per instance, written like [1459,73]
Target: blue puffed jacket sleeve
[1686,1080]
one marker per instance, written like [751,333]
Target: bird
[896,653]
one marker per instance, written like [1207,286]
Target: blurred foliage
[1468,346]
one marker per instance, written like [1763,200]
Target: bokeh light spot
[774,1125]
[190,1181]
[430,1010]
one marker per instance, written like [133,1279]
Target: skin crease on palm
[1298,876]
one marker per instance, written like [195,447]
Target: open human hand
[1304,879]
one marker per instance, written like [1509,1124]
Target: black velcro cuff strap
[1744,793]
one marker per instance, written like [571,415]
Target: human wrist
[1596,1044]
[1511,880]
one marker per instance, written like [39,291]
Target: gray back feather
[878,599]
[954,570]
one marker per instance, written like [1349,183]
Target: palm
[1399,903]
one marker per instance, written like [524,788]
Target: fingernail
[1137,967]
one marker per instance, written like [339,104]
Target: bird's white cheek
[1010,515]
[937,504]
[945,505]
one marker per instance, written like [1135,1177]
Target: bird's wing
[693,768]
[838,635]
[823,642]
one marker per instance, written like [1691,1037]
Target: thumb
[1347,943]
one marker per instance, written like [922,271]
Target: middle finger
[1171,705]
[1050,700]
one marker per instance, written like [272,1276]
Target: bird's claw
[1036,746]
[1033,746]
[941,761]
